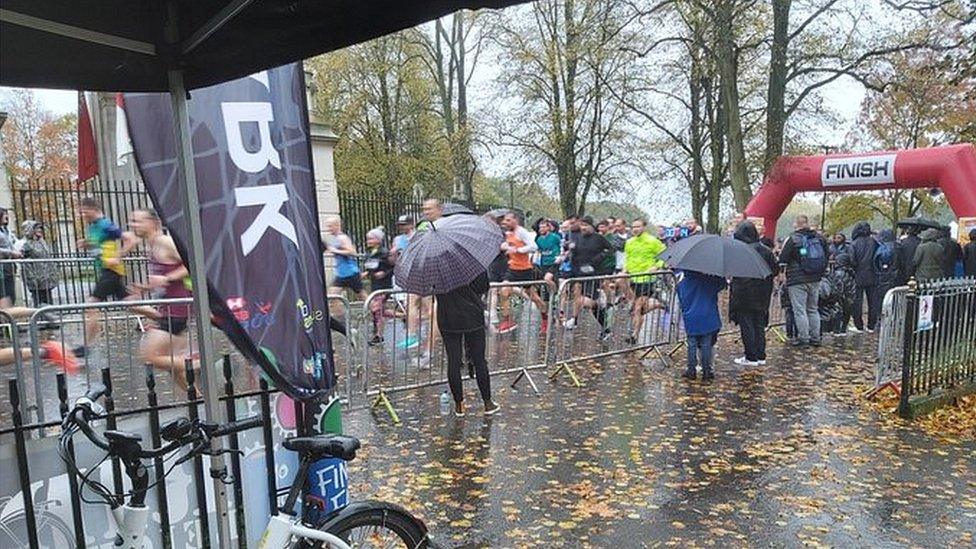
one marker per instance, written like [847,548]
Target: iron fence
[363,210]
[55,204]
[939,356]
[66,280]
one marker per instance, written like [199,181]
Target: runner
[588,252]
[165,345]
[346,268]
[103,242]
[642,250]
[405,225]
[519,245]
[49,351]
[548,240]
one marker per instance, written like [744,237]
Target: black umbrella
[920,222]
[127,45]
[716,255]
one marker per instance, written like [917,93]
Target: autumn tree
[37,145]
[378,98]
[558,63]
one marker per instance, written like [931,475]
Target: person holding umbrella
[749,300]
[450,262]
[704,262]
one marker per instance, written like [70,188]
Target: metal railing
[68,279]
[939,356]
[891,340]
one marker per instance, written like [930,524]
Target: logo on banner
[858,170]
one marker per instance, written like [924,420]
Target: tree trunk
[776,91]
[716,120]
[463,161]
[697,168]
[728,69]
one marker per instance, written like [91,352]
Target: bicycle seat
[321,446]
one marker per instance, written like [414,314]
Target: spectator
[749,300]
[39,278]
[887,263]
[908,246]
[379,272]
[839,245]
[698,294]
[951,253]
[969,255]
[863,256]
[8,290]
[805,256]
[642,251]
[432,210]
[842,278]
[518,246]
[928,260]
[460,313]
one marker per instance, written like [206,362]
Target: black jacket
[590,249]
[843,278]
[889,276]
[752,294]
[952,252]
[969,255]
[862,253]
[908,246]
[791,257]
[463,309]
[378,261]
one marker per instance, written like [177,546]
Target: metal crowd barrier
[891,341]
[347,368]
[593,318]
[410,354]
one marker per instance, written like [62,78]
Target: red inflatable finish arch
[951,168]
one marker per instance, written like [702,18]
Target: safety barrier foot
[564,367]
[779,335]
[525,374]
[893,385]
[382,399]
[661,356]
[676,349]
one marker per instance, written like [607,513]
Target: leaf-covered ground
[782,455]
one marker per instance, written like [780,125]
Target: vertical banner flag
[87,150]
[252,157]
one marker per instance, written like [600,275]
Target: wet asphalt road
[775,456]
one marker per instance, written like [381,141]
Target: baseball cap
[404,220]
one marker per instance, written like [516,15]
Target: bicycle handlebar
[95,391]
[237,426]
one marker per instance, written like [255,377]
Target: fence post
[234,445]
[908,348]
[161,500]
[23,468]
[76,518]
[198,478]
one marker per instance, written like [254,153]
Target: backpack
[884,257]
[813,257]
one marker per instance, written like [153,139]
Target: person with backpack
[863,256]
[805,256]
[887,264]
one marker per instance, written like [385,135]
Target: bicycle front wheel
[373,524]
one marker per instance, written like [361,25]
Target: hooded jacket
[888,278]
[842,277]
[951,252]
[862,253]
[752,294]
[908,246]
[929,256]
[969,255]
[37,276]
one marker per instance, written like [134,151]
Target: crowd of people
[827,281]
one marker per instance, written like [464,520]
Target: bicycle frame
[282,529]
[130,525]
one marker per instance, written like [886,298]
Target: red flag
[87,151]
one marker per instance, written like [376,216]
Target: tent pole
[201,303]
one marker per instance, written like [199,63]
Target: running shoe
[80,351]
[743,361]
[409,343]
[569,324]
[458,409]
[506,326]
[376,340]
[631,340]
[604,335]
[53,353]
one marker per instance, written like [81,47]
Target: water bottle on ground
[445,403]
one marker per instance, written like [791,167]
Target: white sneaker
[869,330]
[569,324]
[761,362]
[841,334]
[854,330]
[741,361]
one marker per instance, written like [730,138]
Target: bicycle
[360,524]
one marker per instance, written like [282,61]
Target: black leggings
[474,342]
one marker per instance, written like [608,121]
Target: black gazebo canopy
[130,45]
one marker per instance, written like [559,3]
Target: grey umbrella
[452,253]
[451,208]
[716,255]
[919,222]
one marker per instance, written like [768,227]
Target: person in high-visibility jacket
[641,257]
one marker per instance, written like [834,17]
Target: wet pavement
[781,455]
